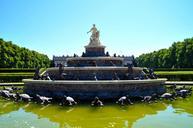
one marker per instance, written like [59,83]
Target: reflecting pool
[164,114]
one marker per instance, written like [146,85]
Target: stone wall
[87,90]
[94,61]
[92,73]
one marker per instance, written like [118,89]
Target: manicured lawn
[17,74]
[174,72]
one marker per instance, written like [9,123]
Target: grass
[174,72]
[14,83]
[16,74]
[24,72]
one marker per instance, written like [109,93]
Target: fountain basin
[87,90]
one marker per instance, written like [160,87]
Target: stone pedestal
[94,51]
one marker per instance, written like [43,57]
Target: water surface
[166,114]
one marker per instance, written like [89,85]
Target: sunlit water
[167,114]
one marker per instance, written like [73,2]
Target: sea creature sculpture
[44,99]
[67,100]
[96,102]
[168,96]
[24,97]
[124,100]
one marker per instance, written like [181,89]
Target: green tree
[13,56]
[179,55]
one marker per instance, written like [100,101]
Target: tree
[179,55]
[13,56]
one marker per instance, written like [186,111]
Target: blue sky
[58,27]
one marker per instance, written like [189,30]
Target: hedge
[17,74]
[14,78]
[178,77]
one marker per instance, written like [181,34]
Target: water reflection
[84,116]
[184,105]
[8,106]
[165,119]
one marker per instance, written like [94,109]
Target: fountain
[95,74]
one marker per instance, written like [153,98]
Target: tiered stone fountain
[95,74]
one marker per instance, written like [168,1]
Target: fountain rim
[113,82]
[96,58]
[97,68]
